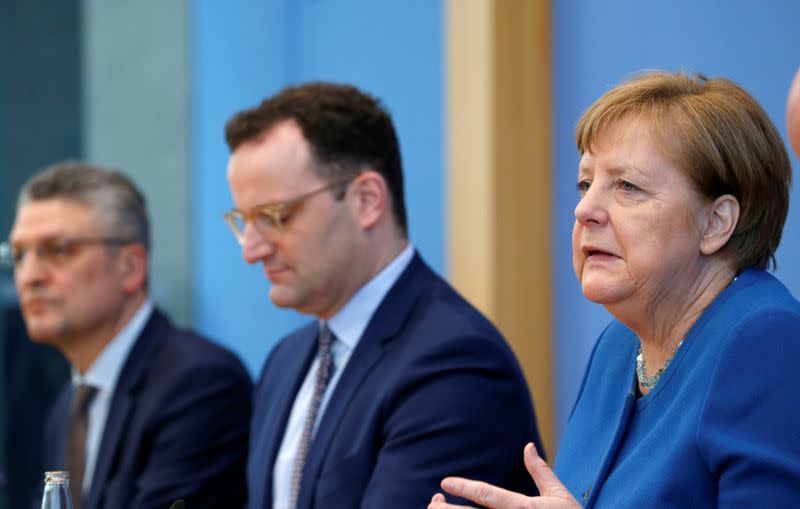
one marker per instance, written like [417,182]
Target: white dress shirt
[347,325]
[103,375]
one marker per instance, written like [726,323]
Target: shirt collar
[350,322]
[105,370]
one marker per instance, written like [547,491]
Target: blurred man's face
[69,285]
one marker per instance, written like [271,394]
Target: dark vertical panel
[40,91]
[40,122]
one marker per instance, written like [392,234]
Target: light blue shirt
[103,375]
[347,325]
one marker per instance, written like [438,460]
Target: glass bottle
[56,490]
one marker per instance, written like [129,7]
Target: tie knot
[326,337]
[82,397]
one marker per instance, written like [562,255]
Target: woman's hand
[554,495]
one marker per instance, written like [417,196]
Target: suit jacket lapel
[123,403]
[385,324]
[270,435]
[56,432]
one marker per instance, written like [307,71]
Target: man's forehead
[273,168]
[52,217]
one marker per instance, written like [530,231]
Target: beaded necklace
[648,382]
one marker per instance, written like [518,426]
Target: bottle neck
[56,477]
[56,491]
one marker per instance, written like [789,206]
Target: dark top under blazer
[431,390]
[176,428]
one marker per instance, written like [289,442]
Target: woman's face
[638,223]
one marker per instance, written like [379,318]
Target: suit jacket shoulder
[410,407]
[177,425]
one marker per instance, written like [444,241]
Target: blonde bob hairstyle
[721,137]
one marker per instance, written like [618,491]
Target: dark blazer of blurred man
[401,382]
[166,412]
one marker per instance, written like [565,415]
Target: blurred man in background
[153,413]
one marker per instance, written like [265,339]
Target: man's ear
[369,198]
[133,267]
[720,224]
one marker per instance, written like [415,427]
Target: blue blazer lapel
[123,403]
[269,436]
[386,323]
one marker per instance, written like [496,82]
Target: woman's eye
[583,186]
[627,186]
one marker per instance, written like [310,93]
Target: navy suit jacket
[431,390]
[176,428]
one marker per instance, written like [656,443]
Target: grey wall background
[135,109]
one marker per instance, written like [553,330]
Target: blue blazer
[176,428]
[721,428]
[431,390]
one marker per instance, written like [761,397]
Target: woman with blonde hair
[691,397]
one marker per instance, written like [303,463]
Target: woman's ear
[720,224]
[370,196]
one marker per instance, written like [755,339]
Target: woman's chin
[600,294]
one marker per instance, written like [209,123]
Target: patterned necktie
[76,442]
[324,373]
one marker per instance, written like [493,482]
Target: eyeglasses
[273,217]
[54,252]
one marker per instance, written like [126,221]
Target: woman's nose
[592,209]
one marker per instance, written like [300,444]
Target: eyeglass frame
[277,214]
[50,250]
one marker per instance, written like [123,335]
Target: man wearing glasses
[399,381]
[153,413]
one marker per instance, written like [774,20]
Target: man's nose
[255,245]
[29,268]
